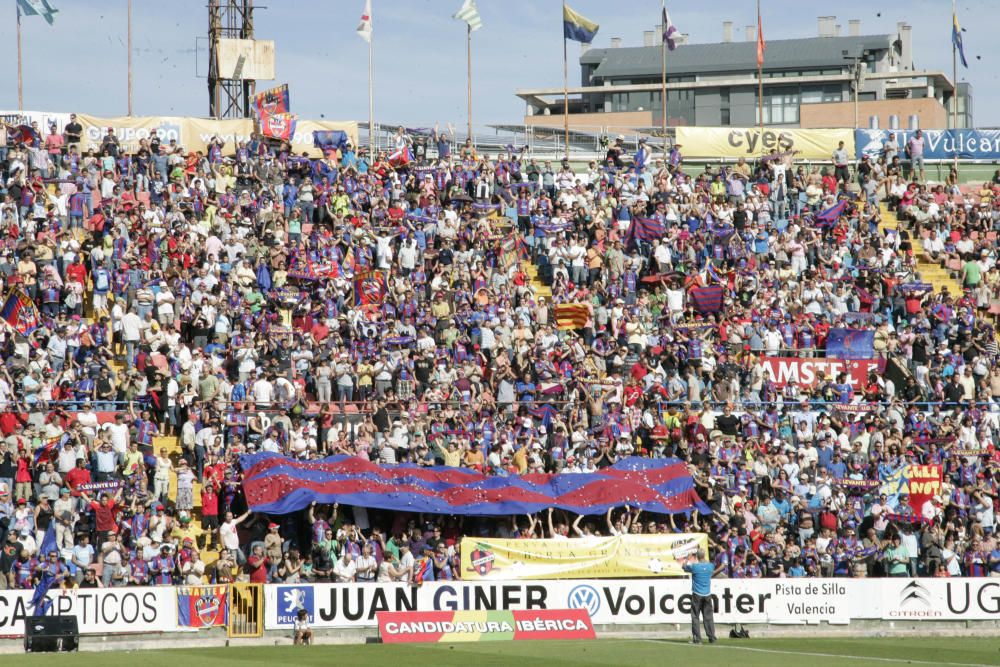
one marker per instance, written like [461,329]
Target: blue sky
[79,64]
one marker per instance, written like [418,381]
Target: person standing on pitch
[701,599]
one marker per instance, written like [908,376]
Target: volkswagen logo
[584,597]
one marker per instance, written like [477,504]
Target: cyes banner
[584,558]
[750,142]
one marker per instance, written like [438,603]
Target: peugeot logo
[916,592]
[584,597]
[294,599]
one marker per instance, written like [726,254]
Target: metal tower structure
[228,98]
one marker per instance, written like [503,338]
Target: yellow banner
[749,142]
[579,558]
[194,134]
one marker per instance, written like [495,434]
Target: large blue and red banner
[202,606]
[20,312]
[278,485]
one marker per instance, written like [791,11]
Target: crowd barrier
[248,610]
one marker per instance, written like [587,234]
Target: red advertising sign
[396,627]
[806,372]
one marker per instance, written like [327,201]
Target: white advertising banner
[946,599]
[98,610]
[607,601]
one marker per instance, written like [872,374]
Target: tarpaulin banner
[396,627]
[202,606]
[583,558]
[807,372]
[278,485]
[938,144]
[750,142]
[195,134]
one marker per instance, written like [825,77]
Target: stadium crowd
[396,309]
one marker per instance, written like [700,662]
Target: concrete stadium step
[171,443]
[938,276]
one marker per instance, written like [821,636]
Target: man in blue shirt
[701,598]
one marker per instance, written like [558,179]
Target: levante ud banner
[583,558]
[938,144]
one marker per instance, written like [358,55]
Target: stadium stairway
[541,290]
[935,274]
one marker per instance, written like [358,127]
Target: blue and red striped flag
[644,229]
[707,299]
[830,215]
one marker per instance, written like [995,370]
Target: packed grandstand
[815,349]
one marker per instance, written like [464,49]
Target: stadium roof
[730,56]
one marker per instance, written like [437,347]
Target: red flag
[761,44]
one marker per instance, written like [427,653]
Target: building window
[780,107]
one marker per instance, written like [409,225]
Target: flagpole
[663,77]
[468,58]
[371,97]
[129,57]
[954,72]
[20,83]
[760,83]
[565,92]
[954,79]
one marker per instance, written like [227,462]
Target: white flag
[365,27]
[470,14]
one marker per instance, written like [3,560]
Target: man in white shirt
[263,392]
[406,562]
[87,419]
[345,570]
[119,432]
[131,326]
[366,566]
